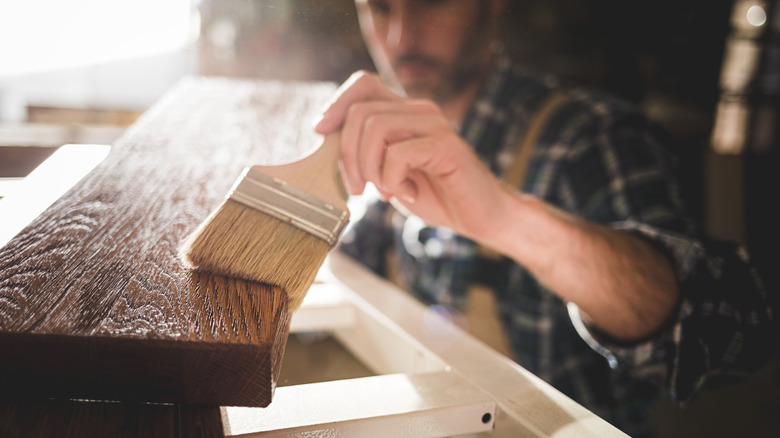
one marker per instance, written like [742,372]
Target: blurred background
[81,71]
[706,69]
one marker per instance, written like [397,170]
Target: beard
[453,80]
[467,67]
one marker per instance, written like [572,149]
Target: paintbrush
[276,225]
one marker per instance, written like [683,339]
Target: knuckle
[348,156]
[372,122]
[357,111]
[425,105]
[430,106]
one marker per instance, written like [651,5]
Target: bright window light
[756,16]
[41,35]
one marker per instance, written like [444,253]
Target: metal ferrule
[290,204]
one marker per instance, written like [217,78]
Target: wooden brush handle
[317,174]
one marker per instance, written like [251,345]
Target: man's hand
[409,150]
[412,154]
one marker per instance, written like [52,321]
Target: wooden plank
[37,191]
[81,419]
[94,302]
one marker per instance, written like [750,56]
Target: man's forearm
[625,286]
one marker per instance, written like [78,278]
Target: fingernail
[356,187]
[383,193]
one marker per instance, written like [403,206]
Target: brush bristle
[239,241]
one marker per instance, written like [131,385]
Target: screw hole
[486,418]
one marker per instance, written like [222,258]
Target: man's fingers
[353,152]
[421,154]
[381,131]
[373,126]
[361,86]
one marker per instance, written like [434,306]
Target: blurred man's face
[431,48]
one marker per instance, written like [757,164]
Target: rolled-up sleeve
[723,328]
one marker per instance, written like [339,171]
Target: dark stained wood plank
[94,302]
[85,419]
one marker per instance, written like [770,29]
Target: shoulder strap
[514,175]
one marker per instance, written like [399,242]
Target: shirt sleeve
[722,330]
[723,327]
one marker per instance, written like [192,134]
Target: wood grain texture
[86,419]
[94,302]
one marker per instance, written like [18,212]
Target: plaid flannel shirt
[600,159]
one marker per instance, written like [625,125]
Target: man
[606,289]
